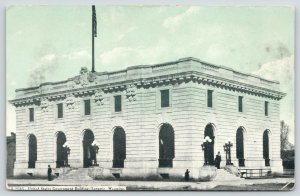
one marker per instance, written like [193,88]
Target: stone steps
[80,174]
[223,175]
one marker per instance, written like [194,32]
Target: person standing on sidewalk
[49,173]
[218,160]
[187,175]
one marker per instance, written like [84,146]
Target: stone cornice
[169,79]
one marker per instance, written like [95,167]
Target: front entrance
[166,146]
[61,153]
[240,147]
[209,153]
[266,152]
[32,151]
[88,152]
[119,148]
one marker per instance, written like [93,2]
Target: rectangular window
[165,98]
[87,107]
[209,98]
[60,112]
[118,103]
[240,104]
[31,114]
[266,108]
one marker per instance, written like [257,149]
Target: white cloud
[118,55]
[174,21]
[121,36]
[282,70]
[122,57]
[48,58]
[43,68]
[79,54]
[274,70]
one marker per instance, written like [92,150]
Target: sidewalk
[149,185]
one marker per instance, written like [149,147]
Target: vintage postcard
[150,98]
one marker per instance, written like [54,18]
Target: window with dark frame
[165,98]
[240,104]
[31,114]
[118,103]
[266,108]
[60,112]
[209,98]
[87,107]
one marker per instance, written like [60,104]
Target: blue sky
[51,43]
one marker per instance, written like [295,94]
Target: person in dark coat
[49,173]
[187,175]
[218,160]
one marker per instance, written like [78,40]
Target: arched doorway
[61,153]
[209,131]
[240,155]
[266,147]
[32,151]
[166,146]
[119,147]
[88,152]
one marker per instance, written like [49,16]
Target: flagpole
[93,36]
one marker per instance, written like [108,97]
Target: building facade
[149,120]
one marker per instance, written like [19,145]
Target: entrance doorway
[266,148]
[32,151]
[209,131]
[166,146]
[88,152]
[61,153]
[119,147]
[240,146]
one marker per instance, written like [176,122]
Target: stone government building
[148,120]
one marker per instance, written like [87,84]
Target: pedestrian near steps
[49,173]
[218,160]
[187,175]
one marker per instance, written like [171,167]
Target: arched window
[119,147]
[266,150]
[240,155]
[88,152]
[166,146]
[61,153]
[32,152]
[209,153]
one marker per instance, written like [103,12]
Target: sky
[52,43]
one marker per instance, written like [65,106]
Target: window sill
[87,117]
[164,109]
[59,119]
[113,114]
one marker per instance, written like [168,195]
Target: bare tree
[285,146]
[284,133]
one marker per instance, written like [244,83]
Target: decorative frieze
[85,78]
[86,85]
[44,104]
[131,92]
[98,97]
[70,101]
